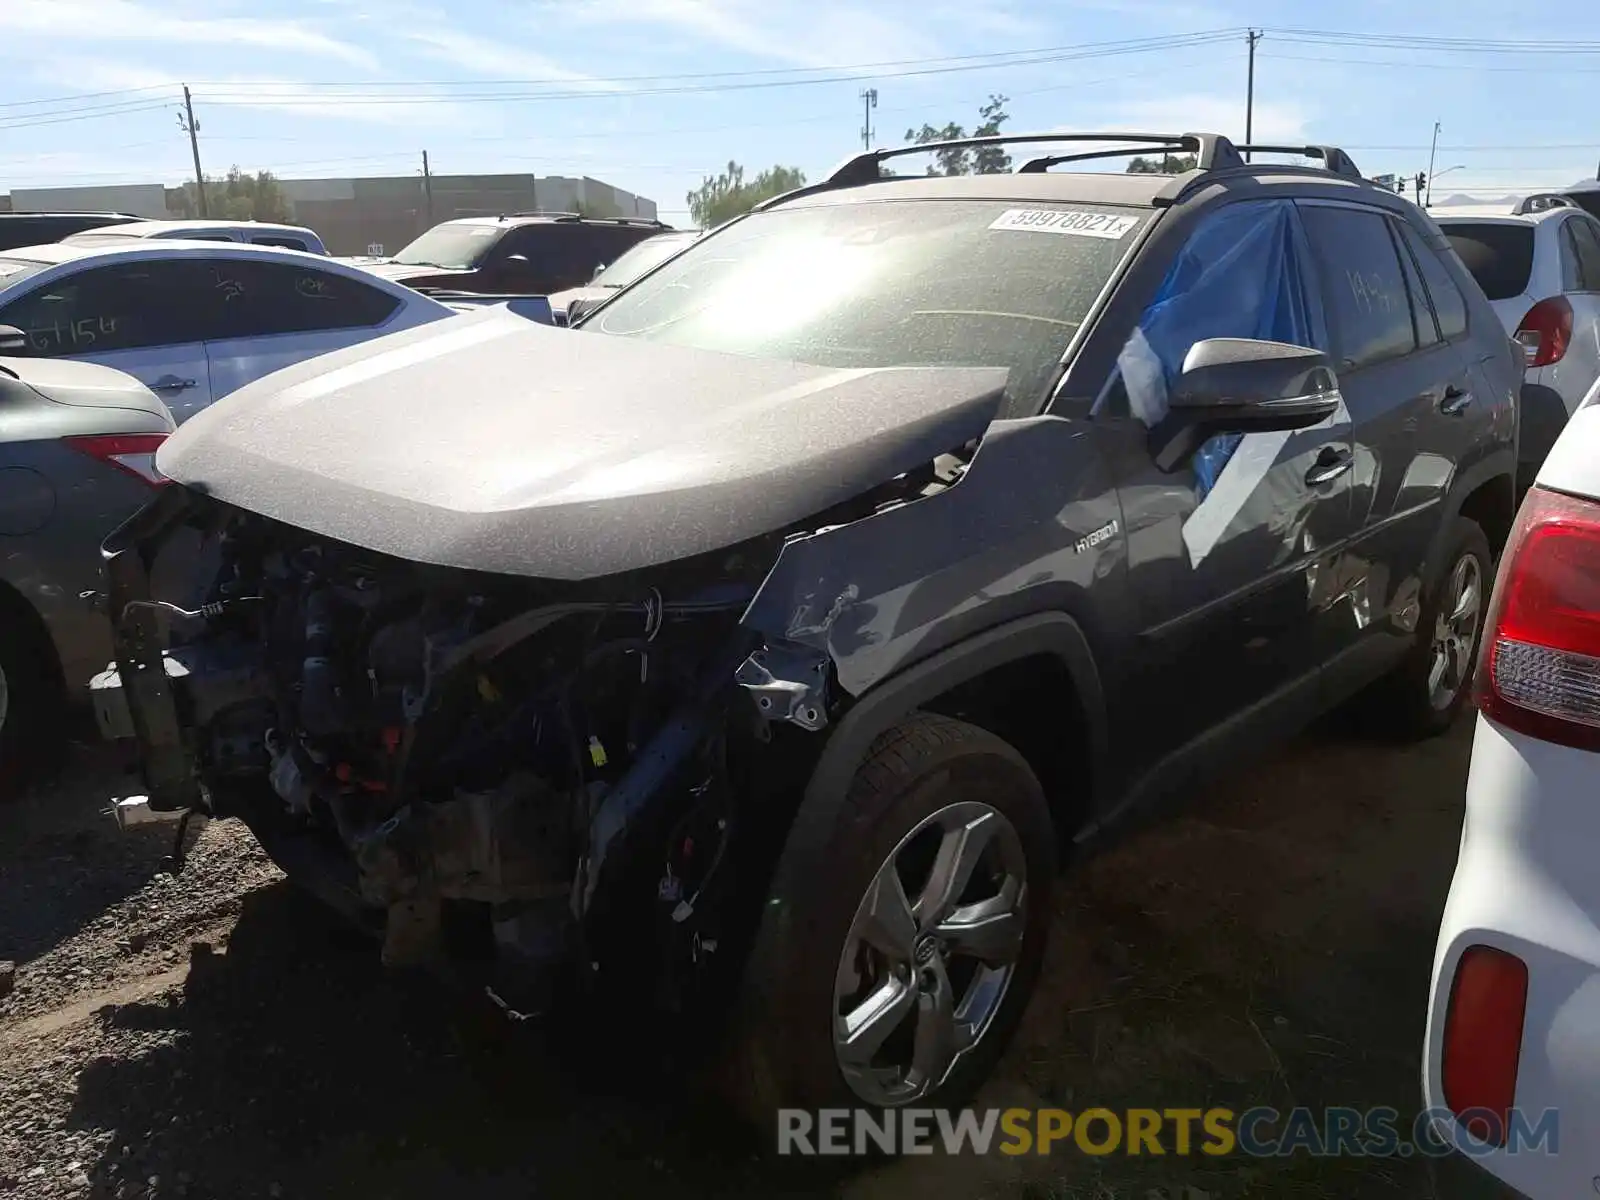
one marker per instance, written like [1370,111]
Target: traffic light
[1422,182]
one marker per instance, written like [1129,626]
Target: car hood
[490,443]
[84,385]
[400,272]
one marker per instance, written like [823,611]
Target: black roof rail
[1180,143]
[1333,158]
[1211,150]
[1543,202]
[650,221]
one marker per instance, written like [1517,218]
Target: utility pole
[1432,150]
[869,101]
[1251,37]
[192,128]
[427,188]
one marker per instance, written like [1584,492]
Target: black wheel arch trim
[1049,633]
[1501,467]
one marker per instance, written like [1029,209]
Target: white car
[1538,261]
[1514,1018]
[194,321]
[254,233]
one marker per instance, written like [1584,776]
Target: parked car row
[191,310]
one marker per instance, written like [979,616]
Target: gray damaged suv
[758,648]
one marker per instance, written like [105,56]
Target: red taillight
[1546,331]
[1483,1040]
[1539,668]
[134,453]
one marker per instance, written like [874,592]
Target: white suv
[1514,1018]
[1538,261]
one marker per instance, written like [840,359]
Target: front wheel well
[1033,704]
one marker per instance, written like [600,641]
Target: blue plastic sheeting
[1241,275]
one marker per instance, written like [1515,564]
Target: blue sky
[653,94]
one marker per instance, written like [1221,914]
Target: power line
[277,93]
[234,90]
[1088,48]
[1435,66]
[72,96]
[162,106]
[1446,45]
[822,119]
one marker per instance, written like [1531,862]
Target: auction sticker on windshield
[1056,220]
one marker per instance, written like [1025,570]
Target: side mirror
[12,340]
[1241,385]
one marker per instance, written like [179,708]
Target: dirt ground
[207,1036]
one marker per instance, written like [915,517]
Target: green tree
[239,196]
[722,197]
[1169,164]
[982,160]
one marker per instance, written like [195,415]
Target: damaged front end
[507,773]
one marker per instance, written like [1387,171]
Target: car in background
[1538,262]
[77,457]
[255,233]
[32,229]
[516,253]
[193,321]
[1513,1029]
[566,306]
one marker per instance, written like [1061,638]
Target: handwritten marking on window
[1370,293]
[71,336]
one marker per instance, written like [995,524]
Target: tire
[1410,704]
[29,702]
[922,782]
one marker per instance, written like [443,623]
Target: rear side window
[1427,329]
[1586,247]
[1498,256]
[1363,284]
[109,308]
[288,243]
[256,299]
[1448,302]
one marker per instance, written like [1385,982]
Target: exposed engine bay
[537,778]
[468,752]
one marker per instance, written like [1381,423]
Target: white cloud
[491,59]
[798,32]
[1282,122]
[80,21]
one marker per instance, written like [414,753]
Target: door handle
[171,383]
[1455,402]
[1329,466]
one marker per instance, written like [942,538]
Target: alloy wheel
[930,954]
[1455,632]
